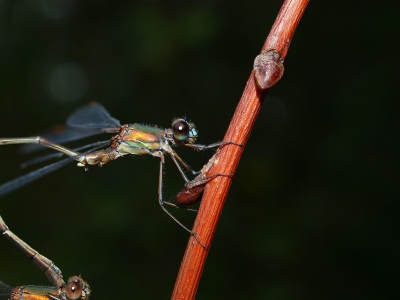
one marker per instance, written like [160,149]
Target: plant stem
[228,156]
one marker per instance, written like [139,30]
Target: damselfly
[131,139]
[75,288]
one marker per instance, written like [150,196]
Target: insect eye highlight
[73,289]
[180,130]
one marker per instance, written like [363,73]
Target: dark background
[313,212]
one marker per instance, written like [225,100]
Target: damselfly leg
[131,139]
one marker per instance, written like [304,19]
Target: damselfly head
[77,288]
[184,132]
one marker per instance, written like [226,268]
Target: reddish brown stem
[239,130]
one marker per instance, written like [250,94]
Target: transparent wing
[60,135]
[43,158]
[93,115]
[86,121]
[5,291]
[14,184]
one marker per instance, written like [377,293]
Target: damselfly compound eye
[73,288]
[180,130]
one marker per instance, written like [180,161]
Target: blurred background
[313,212]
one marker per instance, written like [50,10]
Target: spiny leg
[192,189]
[175,157]
[202,181]
[189,184]
[213,145]
[52,272]
[179,206]
[161,202]
[205,147]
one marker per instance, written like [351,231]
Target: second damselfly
[74,289]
